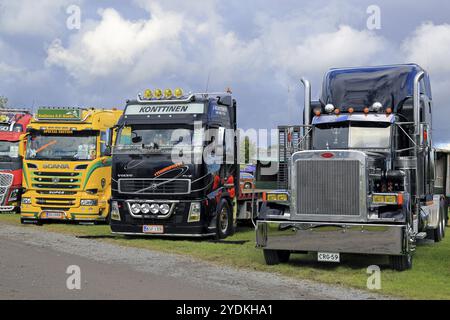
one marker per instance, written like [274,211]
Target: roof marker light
[351,110]
[168,93]
[388,110]
[178,93]
[148,94]
[158,94]
[366,110]
[317,111]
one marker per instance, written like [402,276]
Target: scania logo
[55,166]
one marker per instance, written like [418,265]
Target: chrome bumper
[7,208]
[331,237]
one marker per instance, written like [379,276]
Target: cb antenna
[207,81]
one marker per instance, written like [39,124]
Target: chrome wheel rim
[223,220]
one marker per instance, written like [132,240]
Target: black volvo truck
[174,166]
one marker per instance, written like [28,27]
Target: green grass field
[429,278]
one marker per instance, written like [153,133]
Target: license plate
[328,257]
[52,215]
[153,229]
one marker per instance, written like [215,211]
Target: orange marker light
[351,110]
[388,110]
[400,199]
[337,111]
[317,113]
[366,110]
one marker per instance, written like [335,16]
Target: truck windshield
[143,138]
[9,149]
[78,146]
[355,135]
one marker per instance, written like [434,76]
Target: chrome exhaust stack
[307,111]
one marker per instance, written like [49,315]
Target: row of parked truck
[359,176]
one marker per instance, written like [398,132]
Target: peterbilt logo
[55,166]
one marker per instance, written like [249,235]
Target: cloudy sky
[259,48]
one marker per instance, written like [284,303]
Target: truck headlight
[13,195]
[164,208]
[135,208]
[88,203]
[154,208]
[115,214]
[26,200]
[387,199]
[277,197]
[145,208]
[194,212]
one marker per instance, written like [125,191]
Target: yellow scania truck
[67,167]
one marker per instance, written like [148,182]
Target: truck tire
[284,256]
[224,220]
[439,232]
[401,263]
[273,257]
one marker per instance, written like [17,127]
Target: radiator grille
[154,186]
[56,180]
[6,180]
[327,187]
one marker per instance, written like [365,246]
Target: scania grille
[6,180]
[56,201]
[328,187]
[155,186]
[56,180]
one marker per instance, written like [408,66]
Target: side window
[229,144]
[104,138]
[124,136]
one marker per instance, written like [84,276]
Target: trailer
[361,177]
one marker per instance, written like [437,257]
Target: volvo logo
[55,166]
[154,186]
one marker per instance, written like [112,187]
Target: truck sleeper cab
[67,171]
[362,180]
[175,169]
[13,125]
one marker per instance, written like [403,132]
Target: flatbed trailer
[249,202]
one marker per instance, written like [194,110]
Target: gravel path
[33,265]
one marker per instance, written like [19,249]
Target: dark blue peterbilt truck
[174,166]
[361,175]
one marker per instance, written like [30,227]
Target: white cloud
[189,44]
[115,45]
[429,46]
[342,47]
[43,18]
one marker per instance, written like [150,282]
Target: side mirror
[22,144]
[108,151]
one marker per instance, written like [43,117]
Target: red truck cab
[13,125]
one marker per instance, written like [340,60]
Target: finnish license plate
[52,215]
[328,257]
[152,229]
